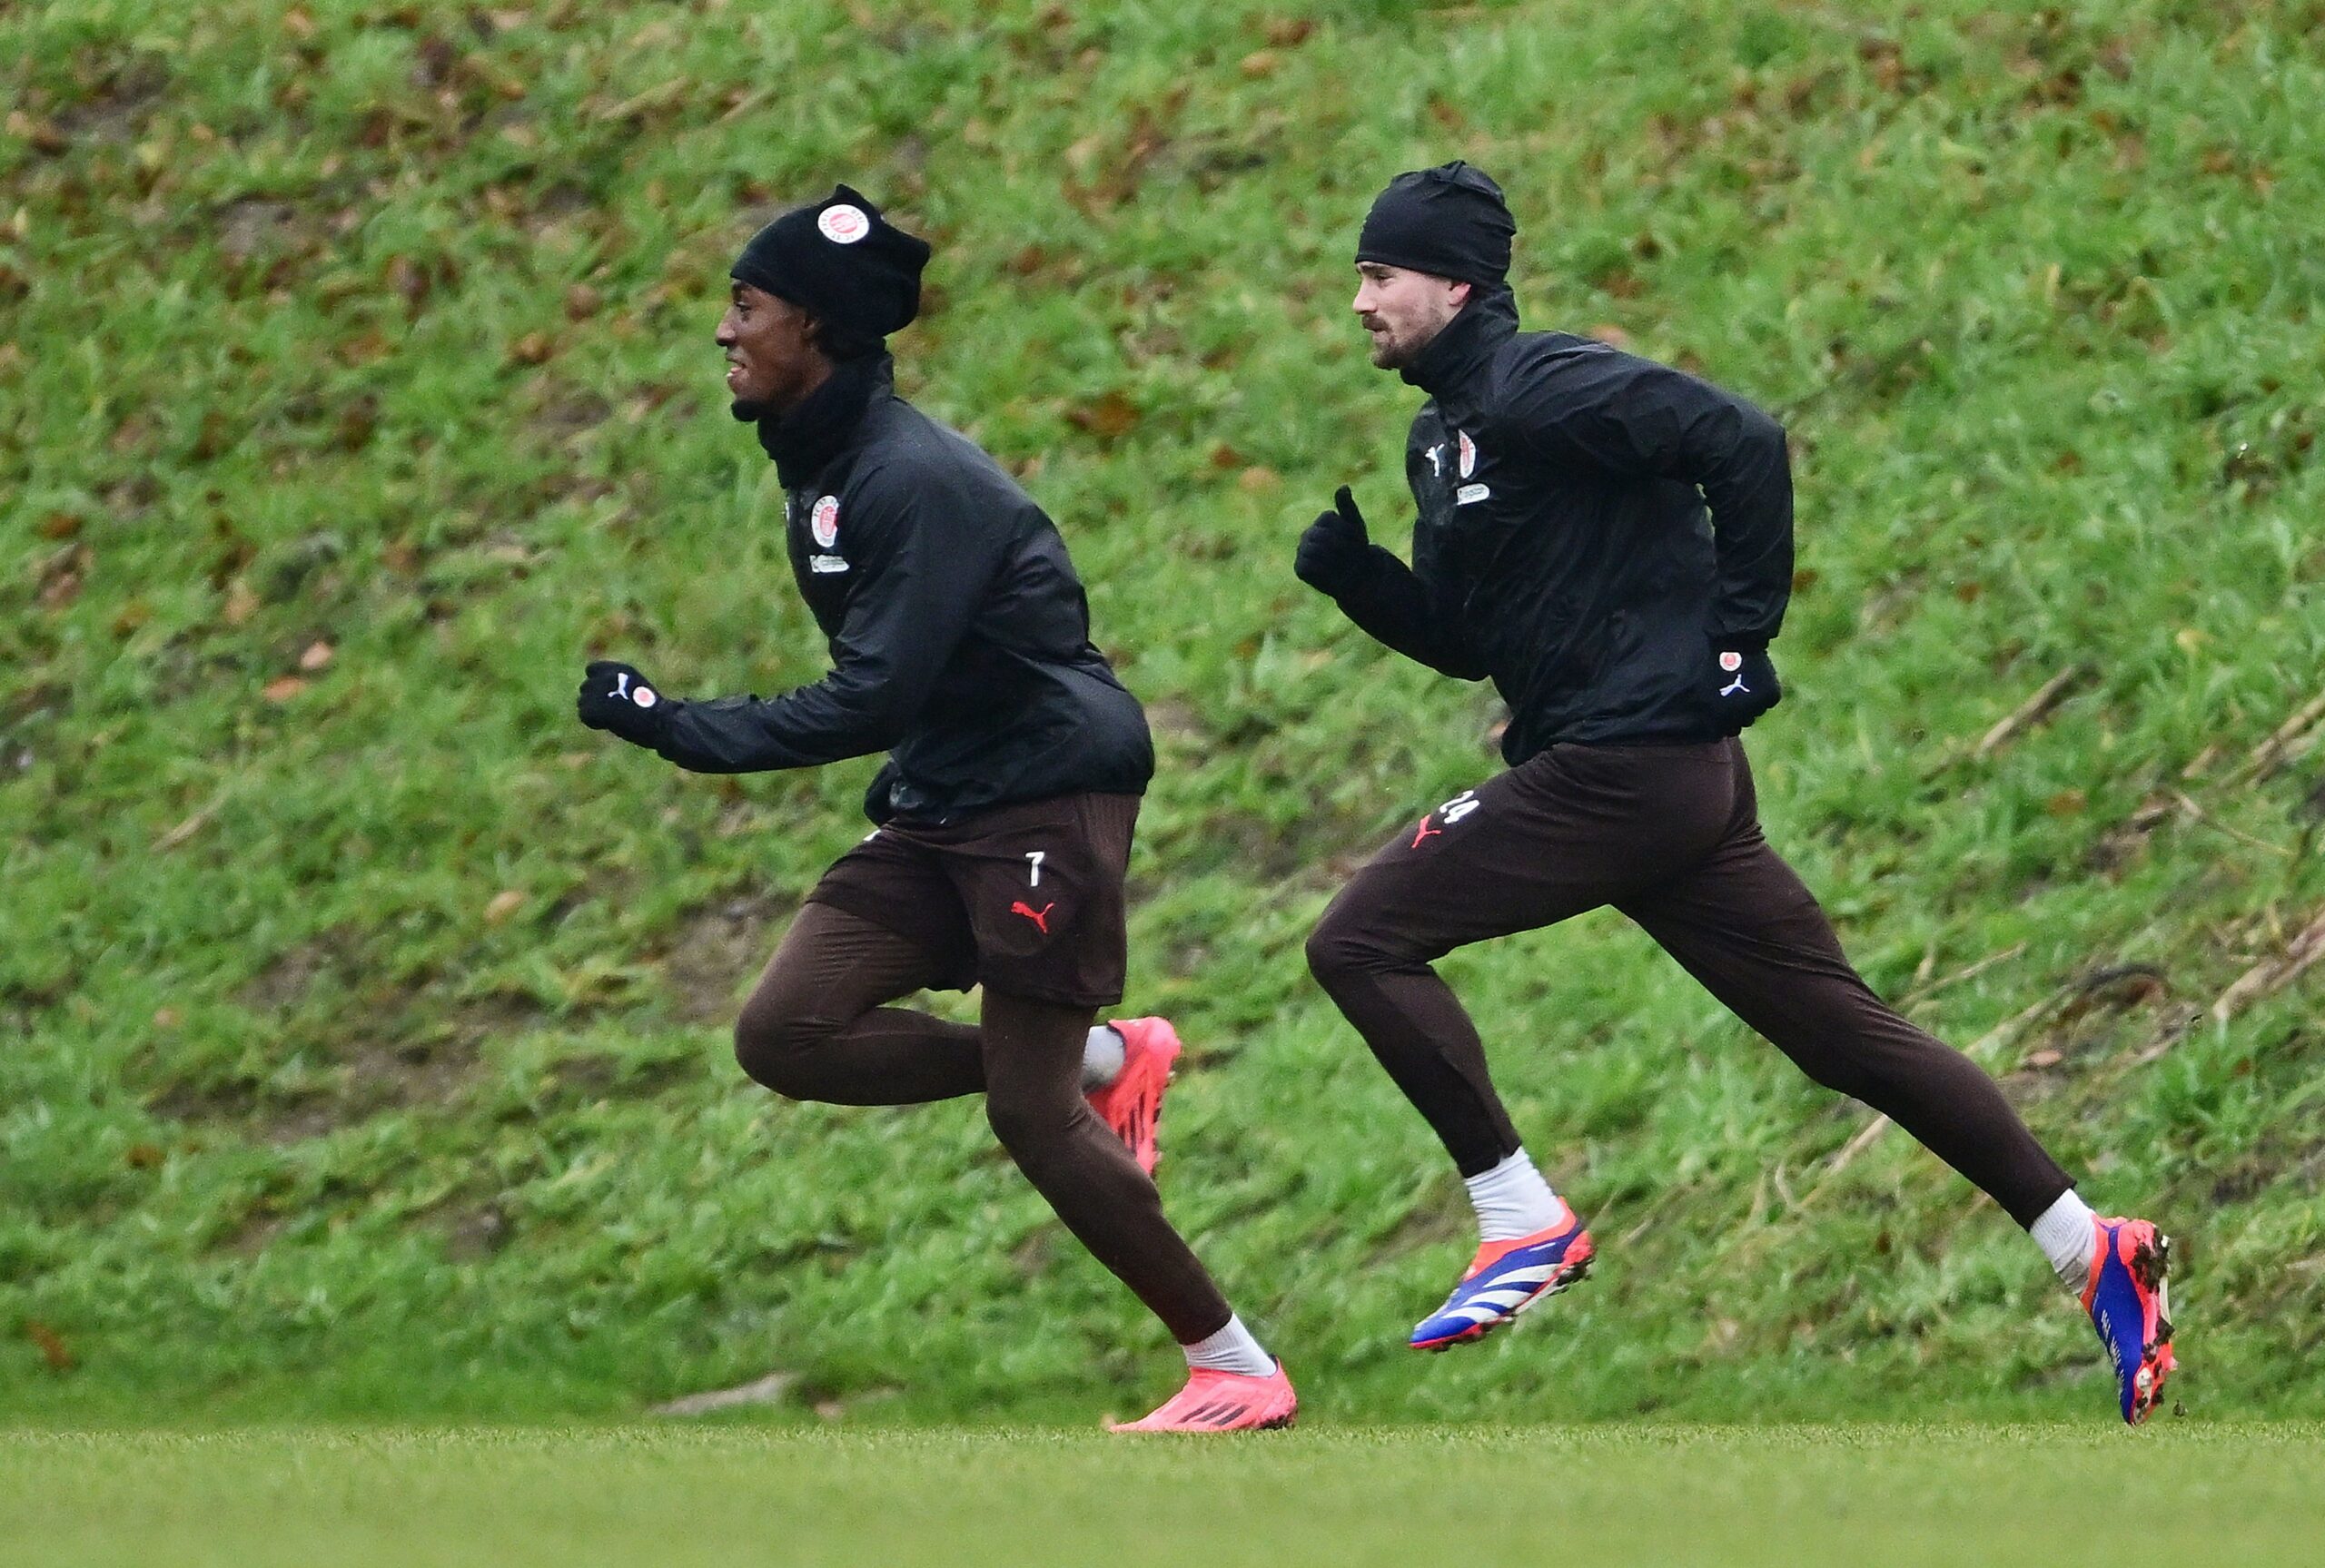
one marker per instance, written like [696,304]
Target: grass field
[1785,1497]
[366,1020]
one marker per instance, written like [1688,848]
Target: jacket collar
[811,435]
[1459,352]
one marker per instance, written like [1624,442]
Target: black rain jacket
[959,633]
[1565,547]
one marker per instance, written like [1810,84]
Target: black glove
[1333,546]
[879,807]
[1742,683]
[618,697]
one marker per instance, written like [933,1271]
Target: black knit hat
[840,261]
[1449,221]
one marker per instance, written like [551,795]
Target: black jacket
[1564,547]
[959,634]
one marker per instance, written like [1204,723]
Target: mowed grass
[1801,1496]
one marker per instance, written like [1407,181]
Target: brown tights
[816,1028]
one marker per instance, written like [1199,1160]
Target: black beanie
[1449,221]
[843,263]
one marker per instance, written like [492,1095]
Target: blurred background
[366,1018]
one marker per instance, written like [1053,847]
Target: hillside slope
[370,1017]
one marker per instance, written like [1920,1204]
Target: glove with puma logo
[1742,683]
[618,697]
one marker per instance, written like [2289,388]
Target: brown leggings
[816,1029]
[1669,835]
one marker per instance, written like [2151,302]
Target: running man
[1609,541]
[960,645]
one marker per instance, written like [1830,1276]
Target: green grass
[367,1017]
[1798,1497]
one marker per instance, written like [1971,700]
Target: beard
[748,411]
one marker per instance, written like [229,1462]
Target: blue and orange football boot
[2129,1304]
[1504,1280]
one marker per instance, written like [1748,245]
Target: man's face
[772,360]
[1403,309]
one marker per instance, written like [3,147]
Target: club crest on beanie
[1449,221]
[840,261]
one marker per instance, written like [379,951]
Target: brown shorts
[1024,899]
[1669,835]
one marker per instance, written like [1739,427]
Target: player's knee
[776,1046]
[1839,1074]
[1322,955]
[1026,1127]
[1851,1073]
[1337,948]
[758,1049]
[1874,1057]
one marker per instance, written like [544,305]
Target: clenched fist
[618,697]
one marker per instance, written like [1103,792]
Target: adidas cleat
[1504,1280]
[2129,1306]
[1222,1402]
[1132,1104]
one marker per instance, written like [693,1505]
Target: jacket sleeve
[1394,605]
[924,562]
[1634,418]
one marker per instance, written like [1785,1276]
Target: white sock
[1232,1349]
[1101,1058]
[2067,1237]
[1513,1200]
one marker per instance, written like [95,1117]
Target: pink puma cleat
[1222,1402]
[1132,1104]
